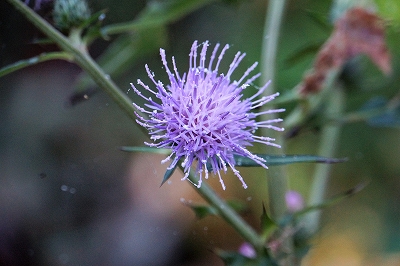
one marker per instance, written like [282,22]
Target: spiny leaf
[271,160]
[267,224]
[168,174]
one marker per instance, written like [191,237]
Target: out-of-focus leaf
[377,112]
[333,200]
[157,13]
[300,54]
[267,224]
[319,19]
[272,160]
[389,10]
[93,26]
[94,19]
[390,117]
[202,210]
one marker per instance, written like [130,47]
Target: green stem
[33,61]
[228,214]
[272,26]
[277,178]
[277,181]
[328,143]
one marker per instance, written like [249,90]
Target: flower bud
[294,201]
[247,250]
[70,13]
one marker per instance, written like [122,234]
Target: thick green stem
[277,178]
[328,143]
[277,181]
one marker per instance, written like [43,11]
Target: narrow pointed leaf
[168,174]
[272,160]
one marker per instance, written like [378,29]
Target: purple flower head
[202,116]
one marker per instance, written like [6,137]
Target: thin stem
[33,61]
[228,214]
[277,181]
[328,143]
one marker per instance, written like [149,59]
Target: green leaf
[303,53]
[272,160]
[168,174]
[157,13]
[377,112]
[333,200]
[268,225]
[202,211]
[389,115]
[389,10]
[320,19]
[95,19]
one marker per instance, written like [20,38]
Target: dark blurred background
[69,196]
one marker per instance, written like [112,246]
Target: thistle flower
[202,117]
